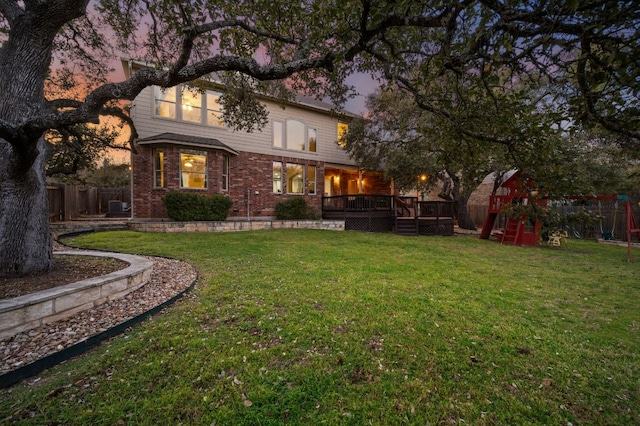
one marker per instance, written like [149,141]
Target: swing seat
[607,236]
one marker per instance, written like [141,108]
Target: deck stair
[406,226]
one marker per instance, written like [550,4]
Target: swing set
[608,235]
[631,228]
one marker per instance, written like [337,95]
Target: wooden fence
[477,213]
[68,202]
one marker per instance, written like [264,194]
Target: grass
[320,327]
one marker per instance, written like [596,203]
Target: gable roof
[180,139]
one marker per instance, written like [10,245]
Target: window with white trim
[343,128]
[214,109]
[295,178]
[311,180]
[312,139]
[225,173]
[277,177]
[193,169]
[165,102]
[278,136]
[294,135]
[195,106]
[158,168]
[191,105]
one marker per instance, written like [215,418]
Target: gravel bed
[168,278]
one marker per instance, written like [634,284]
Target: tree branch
[120,114]
[89,110]
[10,10]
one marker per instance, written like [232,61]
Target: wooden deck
[386,213]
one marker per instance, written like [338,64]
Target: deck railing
[378,213]
[359,202]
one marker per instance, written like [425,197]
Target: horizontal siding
[259,142]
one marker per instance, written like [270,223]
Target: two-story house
[184,145]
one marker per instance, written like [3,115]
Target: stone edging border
[23,313]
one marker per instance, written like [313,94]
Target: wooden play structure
[517,231]
[526,232]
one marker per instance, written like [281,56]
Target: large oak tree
[54,47]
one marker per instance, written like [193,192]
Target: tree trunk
[25,56]
[25,239]
[460,202]
[462,213]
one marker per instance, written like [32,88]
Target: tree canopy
[589,51]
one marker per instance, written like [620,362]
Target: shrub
[295,209]
[187,206]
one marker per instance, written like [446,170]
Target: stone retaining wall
[232,226]
[61,228]
[32,310]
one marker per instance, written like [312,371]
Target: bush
[295,209]
[187,206]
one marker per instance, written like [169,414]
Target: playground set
[524,231]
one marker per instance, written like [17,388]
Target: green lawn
[322,327]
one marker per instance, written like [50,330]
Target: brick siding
[250,181]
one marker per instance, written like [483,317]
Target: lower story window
[158,169]
[193,169]
[295,179]
[225,173]
[277,177]
[311,180]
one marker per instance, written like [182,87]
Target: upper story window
[278,134]
[294,135]
[343,128]
[214,109]
[191,105]
[312,139]
[188,104]
[165,101]
[193,169]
